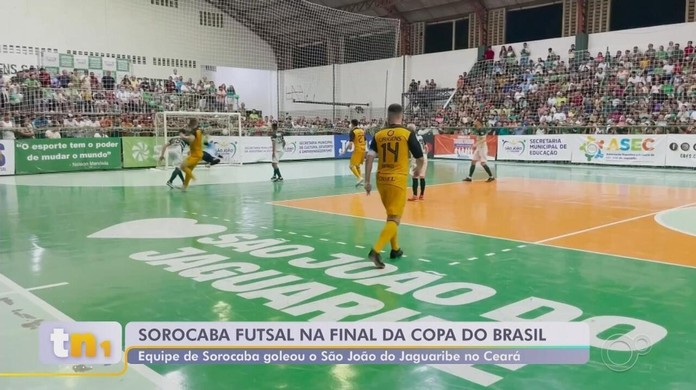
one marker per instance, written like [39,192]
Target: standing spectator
[169,85]
[64,79]
[44,78]
[108,82]
[7,126]
[175,75]
[689,49]
[524,54]
[489,54]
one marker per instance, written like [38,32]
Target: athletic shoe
[467,179]
[274,179]
[490,179]
[280,179]
[376,258]
[396,254]
[413,198]
[360,182]
[420,197]
[170,185]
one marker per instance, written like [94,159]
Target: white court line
[160,381]
[454,263]
[306,236]
[2,294]
[47,286]
[472,258]
[490,254]
[425,260]
[506,250]
[360,247]
[282,202]
[523,244]
[611,224]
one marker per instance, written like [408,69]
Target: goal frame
[162,133]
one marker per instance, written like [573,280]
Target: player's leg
[421,179]
[210,160]
[472,168]
[188,167]
[394,200]
[484,163]
[355,160]
[414,186]
[176,173]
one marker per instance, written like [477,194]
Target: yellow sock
[188,176]
[389,231]
[395,240]
[356,171]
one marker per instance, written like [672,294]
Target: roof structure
[413,11]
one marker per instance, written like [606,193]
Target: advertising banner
[140,152]
[304,147]
[224,147]
[534,148]
[681,150]
[455,146]
[340,144]
[10,64]
[616,149]
[67,155]
[259,149]
[7,157]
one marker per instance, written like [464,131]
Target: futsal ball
[225,132]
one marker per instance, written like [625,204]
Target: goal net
[222,133]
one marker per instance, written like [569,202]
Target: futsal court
[582,242]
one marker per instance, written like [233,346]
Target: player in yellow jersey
[195,140]
[392,145]
[357,142]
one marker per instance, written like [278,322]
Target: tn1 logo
[71,344]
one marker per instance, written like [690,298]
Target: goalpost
[222,132]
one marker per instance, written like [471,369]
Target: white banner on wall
[259,149]
[7,157]
[534,148]
[681,150]
[10,64]
[616,149]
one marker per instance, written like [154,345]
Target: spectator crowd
[637,90]
[640,89]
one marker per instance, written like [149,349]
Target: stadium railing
[635,90]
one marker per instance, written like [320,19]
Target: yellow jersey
[392,145]
[357,137]
[196,147]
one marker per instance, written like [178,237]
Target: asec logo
[596,148]
[80,342]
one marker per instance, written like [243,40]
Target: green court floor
[52,269]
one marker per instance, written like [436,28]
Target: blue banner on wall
[341,142]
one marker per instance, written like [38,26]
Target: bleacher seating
[630,91]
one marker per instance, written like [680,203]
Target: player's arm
[371,154]
[273,146]
[416,152]
[351,141]
[189,138]
[164,149]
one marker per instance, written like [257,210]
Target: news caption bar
[357,343]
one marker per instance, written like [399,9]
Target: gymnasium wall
[257,88]
[134,27]
[367,79]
